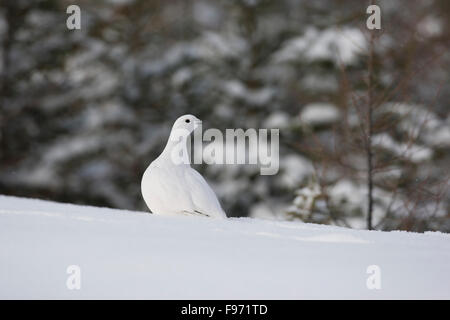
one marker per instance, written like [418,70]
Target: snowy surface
[124,254]
[338,45]
[319,113]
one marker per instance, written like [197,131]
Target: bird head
[187,122]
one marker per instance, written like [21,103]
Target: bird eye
[187,120]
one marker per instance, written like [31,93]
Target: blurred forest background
[84,112]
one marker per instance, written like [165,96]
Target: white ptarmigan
[170,186]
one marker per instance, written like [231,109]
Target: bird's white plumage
[169,187]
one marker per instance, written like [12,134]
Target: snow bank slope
[124,254]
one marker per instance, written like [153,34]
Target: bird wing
[203,197]
[166,191]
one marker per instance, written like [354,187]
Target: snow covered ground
[124,254]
